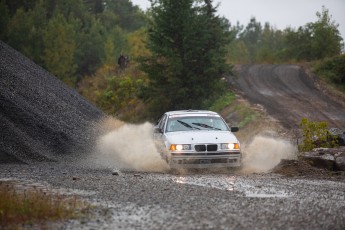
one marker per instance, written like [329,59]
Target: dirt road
[200,200]
[289,94]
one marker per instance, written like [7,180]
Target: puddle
[261,189]
[218,182]
[246,187]
[267,195]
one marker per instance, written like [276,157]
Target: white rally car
[196,139]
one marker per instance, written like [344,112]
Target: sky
[279,13]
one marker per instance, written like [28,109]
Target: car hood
[195,137]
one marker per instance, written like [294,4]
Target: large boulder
[326,158]
[340,161]
[40,117]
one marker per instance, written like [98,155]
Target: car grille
[204,148]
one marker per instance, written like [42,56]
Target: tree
[60,45]
[90,47]
[315,40]
[251,37]
[129,17]
[4,18]
[25,31]
[187,42]
[326,40]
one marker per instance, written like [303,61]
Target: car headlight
[230,146]
[179,147]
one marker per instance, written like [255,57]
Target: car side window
[161,122]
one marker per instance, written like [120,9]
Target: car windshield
[181,123]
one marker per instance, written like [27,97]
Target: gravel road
[196,200]
[289,94]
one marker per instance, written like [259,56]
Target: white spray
[126,146]
[264,152]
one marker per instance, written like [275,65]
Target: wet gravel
[196,200]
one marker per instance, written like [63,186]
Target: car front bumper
[205,160]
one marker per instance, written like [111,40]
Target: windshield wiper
[186,124]
[205,126]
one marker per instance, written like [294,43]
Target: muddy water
[128,146]
[264,152]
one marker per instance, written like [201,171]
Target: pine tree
[59,43]
[187,42]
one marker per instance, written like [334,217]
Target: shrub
[332,70]
[316,135]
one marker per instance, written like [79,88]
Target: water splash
[265,152]
[127,146]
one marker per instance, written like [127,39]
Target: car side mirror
[234,129]
[158,130]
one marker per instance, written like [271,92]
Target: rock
[296,168]
[340,162]
[75,178]
[326,158]
[319,159]
[115,173]
[137,175]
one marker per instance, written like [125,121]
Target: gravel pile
[41,119]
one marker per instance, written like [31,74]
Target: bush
[316,135]
[333,70]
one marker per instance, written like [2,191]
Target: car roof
[191,112]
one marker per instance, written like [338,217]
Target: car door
[158,136]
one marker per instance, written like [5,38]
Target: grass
[222,102]
[332,71]
[33,206]
[246,113]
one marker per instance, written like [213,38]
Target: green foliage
[24,31]
[316,135]
[120,91]
[116,92]
[332,70]
[247,115]
[223,101]
[87,33]
[187,42]
[59,43]
[4,18]
[315,40]
[326,39]
[129,17]
[251,37]
[90,50]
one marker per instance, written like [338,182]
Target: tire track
[288,94]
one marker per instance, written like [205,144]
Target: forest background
[80,42]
